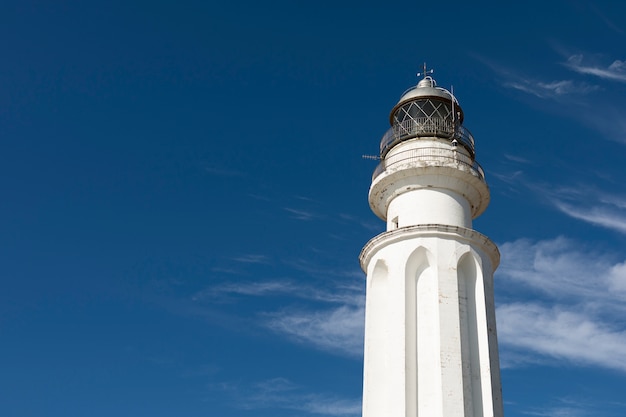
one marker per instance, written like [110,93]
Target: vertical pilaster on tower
[430,332]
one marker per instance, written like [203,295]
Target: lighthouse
[430,330]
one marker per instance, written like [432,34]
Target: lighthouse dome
[425,89]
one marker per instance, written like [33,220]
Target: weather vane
[425,72]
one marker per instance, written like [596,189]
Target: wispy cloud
[368,225]
[588,204]
[336,330]
[616,71]
[562,334]
[608,22]
[336,327]
[576,314]
[344,294]
[518,159]
[252,259]
[565,407]
[564,270]
[304,198]
[597,215]
[545,89]
[557,412]
[576,94]
[316,270]
[257,289]
[301,214]
[604,115]
[607,119]
[551,89]
[580,201]
[330,319]
[281,393]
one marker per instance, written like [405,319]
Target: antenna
[375,157]
[425,72]
[452,93]
[454,141]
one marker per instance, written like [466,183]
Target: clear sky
[183,198]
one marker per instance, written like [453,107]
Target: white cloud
[588,204]
[582,202]
[343,294]
[284,394]
[564,407]
[336,330]
[597,215]
[575,407]
[552,89]
[557,412]
[615,72]
[617,278]
[331,319]
[561,334]
[578,317]
[252,259]
[604,116]
[248,288]
[555,90]
[332,406]
[301,214]
[518,159]
[563,269]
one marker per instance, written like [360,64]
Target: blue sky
[184,198]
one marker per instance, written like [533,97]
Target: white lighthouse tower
[430,328]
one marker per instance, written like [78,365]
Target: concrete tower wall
[428,351]
[427,206]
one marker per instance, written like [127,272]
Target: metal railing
[423,157]
[426,126]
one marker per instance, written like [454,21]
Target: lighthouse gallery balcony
[429,127]
[435,157]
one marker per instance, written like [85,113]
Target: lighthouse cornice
[443,231]
[428,173]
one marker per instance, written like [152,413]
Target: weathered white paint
[430,335]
